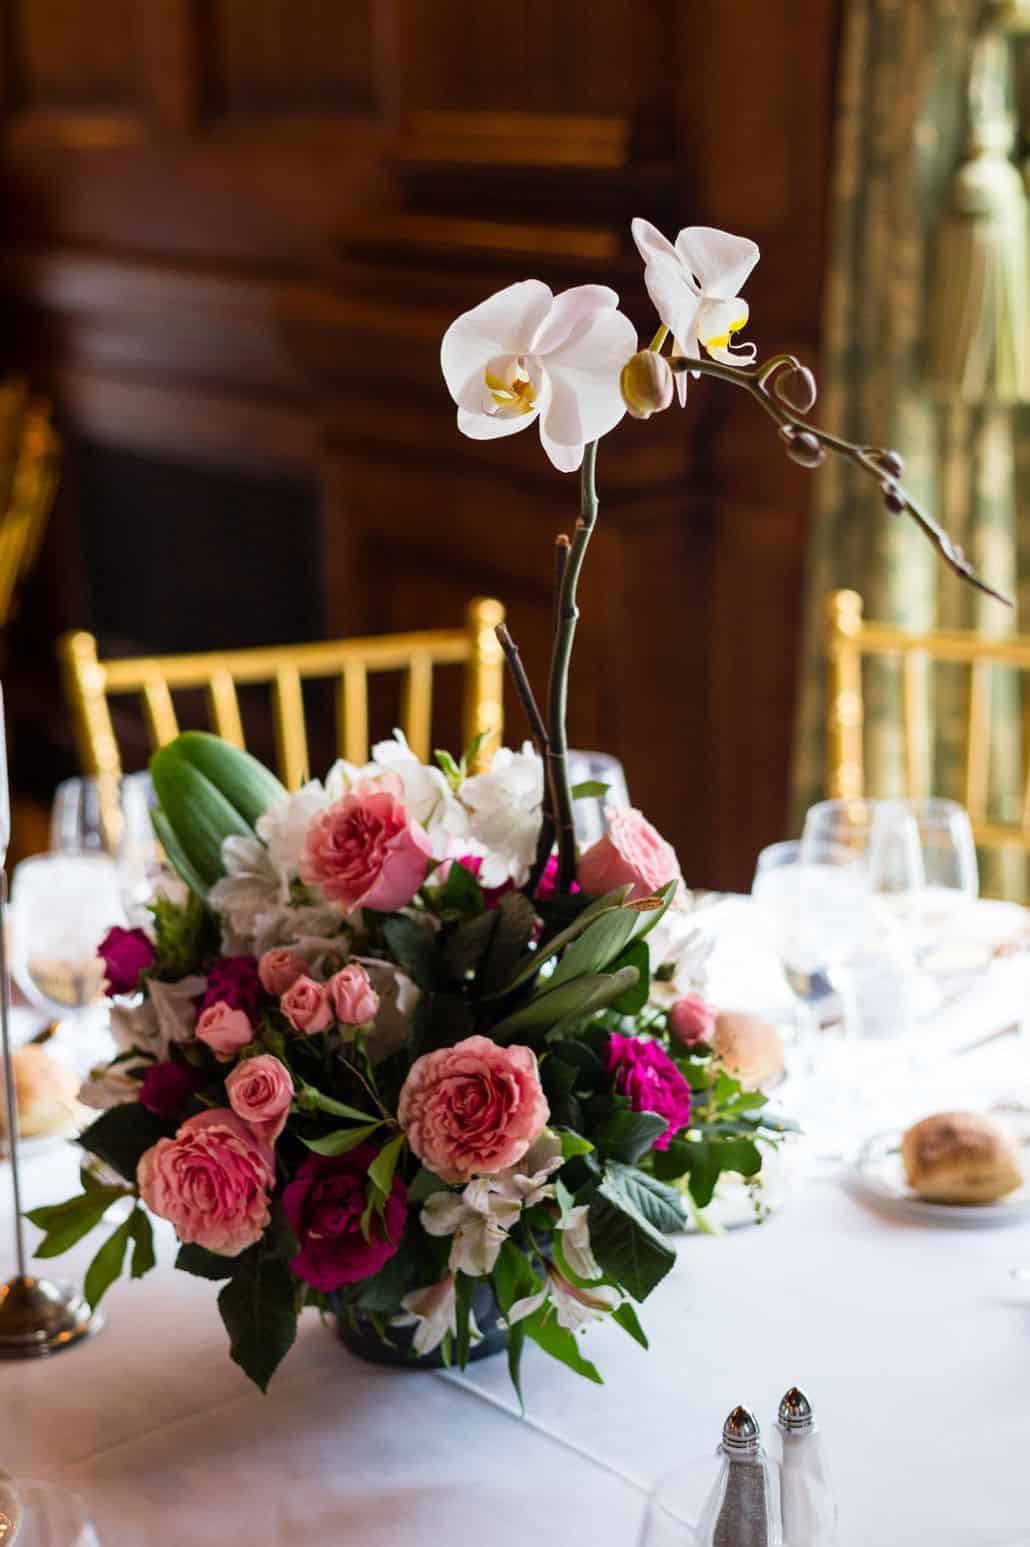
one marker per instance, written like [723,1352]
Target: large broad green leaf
[638,955]
[566,1004]
[531,964]
[649,919]
[342,1139]
[628,1135]
[176,854]
[597,947]
[259,1309]
[121,1135]
[196,811]
[413,946]
[660,1205]
[630,1249]
[204,1264]
[515,922]
[246,784]
[706,1159]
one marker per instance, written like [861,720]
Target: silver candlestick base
[39,1318]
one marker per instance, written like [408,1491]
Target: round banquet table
[913,1340]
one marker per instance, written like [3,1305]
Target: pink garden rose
[260,1091]
[211,1181]
[306,1006]
[225,1030]
[366,850]
[324,1204]
[280,969]
[631,851]
[125,953]
[354,1000]
[646,1074]
[691,1020]
[472,1109]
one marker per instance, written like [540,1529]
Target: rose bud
[646,383]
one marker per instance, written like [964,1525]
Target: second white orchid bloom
[527,355]
[694,286]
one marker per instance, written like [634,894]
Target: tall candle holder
[37,1316]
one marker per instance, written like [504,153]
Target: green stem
[558,695]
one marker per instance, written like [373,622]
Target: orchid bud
[646,383]
[891,463]
[802,447]
[796,387]
[892,497]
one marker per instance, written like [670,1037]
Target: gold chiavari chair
[90,682]
[29,458]
[851,638]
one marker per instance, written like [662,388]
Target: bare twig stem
[541,741]
[870,459]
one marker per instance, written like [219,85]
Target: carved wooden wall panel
[283,58]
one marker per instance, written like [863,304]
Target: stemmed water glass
[596,768]
[61,907]
[41,1514]
[78,826]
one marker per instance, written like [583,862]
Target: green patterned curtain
[900,136]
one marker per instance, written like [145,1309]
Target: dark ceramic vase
[357,1330]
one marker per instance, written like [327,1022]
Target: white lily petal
[442,1213]
[572,309]
[575,1243]
[504,324]
[722,262]
[525,1307]
[585,398]
[651,244]
[491,426]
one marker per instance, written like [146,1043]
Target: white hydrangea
[504,808]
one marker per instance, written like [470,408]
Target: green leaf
[342,1140]
[425,1184]
[627,1135]
[449,768]
[635,998]
[531,964]
[591,789]
[709,1158]
[464,1288]
[543,1328]
[413,947]
[471,752]
[259,1309]
[566,1004]
[628,1319]
[646,921]
[515,922]
[573,1144]
[185,935]
[142,1234]
[65,1223]
[629,1249]
[244,782]
[122,1135]
[312,1100]
[516,1343]
[461,894]
[660,1205]
[176,854]
[513,1277]
[596,948]
[385,1164]
[196,811]
[204,1264]
[106,1265]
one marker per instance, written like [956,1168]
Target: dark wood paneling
[276,58]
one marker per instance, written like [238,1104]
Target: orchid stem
[659,338]
[558,694]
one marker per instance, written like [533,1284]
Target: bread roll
[45,1091]
[749,1048]
[960,1157]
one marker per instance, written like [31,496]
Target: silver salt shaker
[742,1510]
[807,1506]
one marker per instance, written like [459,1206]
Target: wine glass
[77,826]
[596,768]
[41,1514]
[884,833]
[62,905]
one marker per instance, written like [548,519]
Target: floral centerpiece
[399,1052]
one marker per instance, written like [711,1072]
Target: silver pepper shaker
[741,1510]
[807,1506]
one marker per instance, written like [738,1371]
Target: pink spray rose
[212,1181]
[260,1091]
[280,969]
[631,851]
[306,1006]
[225,1030]
[366,850]
[324,1204]
[472,1109]
[234,980]
[692,1020]
[646,1074]
[126,953]
[354,1000]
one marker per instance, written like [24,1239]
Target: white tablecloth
[913,1341]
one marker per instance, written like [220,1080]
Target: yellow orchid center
[723,339]
[512,390]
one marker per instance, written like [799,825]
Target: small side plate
[879,1176]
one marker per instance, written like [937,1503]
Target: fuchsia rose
[211,1181]
[631,851]
[366,850]
[354,1000]
[233,980]
[549,879]
[280,969]
[260,1091]
[167,1088]
[324,1204]
[646,1074]
[224,1030]
[306,1006]
[692,1020]
[472,1109]
[125,953]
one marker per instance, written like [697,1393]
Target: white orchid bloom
[433,1312]
[694,287]
[526,354]
[504,806]
[575,1244]
[574,1308]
